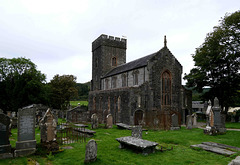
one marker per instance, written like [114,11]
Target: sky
[57,35]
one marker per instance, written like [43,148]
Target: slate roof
[141,62]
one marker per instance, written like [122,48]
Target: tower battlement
[105,40]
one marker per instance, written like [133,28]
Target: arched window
[135,77]
[124,80]
[106,83]
[166,88]
[114,61]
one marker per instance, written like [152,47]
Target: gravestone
[194,119]
[189,122]
[137,131]
[1,111]
[5,147]
[91,151]
[109,122]
[26,142]
[48,126]
[174,124]
[94,121]
[216,119]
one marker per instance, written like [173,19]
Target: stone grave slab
[145,146]
[84,131]
[214,148]
[91,151]
[124,126]
[26,142]
[5,147]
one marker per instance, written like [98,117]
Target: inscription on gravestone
[26,131]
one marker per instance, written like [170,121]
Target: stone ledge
[24,152]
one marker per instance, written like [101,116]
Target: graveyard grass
[109,153]
[75,103]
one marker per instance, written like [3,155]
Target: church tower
[108,52]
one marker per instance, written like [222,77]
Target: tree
[62,88]
[21,84]
[217,62]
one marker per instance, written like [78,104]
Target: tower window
[124,80]
[114,61]
[106,84]
[135,77]
[114,82]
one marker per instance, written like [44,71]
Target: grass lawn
[232,125]
[75,103]
[109,153]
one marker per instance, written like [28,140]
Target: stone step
[214,149]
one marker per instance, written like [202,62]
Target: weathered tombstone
[91,151]
[194,119]
[94,121]
[137,131]
[217,120]
[174,124]
[26,142]
[5,147]
[109,122]
[189,122]
[1,111]
[48,126]
[13,114]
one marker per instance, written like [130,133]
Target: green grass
[109,153]
[232,125]
[75,103]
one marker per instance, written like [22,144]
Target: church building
[145,91]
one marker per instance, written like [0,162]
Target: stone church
[145,91]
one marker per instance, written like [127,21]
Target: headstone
[13,114]
[1,111]
[109,122]
[48,126]
[137,131]
[94,121]
[216,120]
[194,119]
[174,124]
[26,142]
[91,151]
[189,122]
[5,147]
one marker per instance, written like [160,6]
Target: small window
[114,82]
[106,84]
[114,61]
[135,77]
[124,80]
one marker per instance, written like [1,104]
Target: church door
[138,117]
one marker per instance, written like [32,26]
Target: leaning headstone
[5,147]
[94,121]
[109,122]
[137,131]
[189,122]
[48,126]
[194,119]
[91,151]
[174,124]
[26,142]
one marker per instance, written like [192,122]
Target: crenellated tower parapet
[105,40]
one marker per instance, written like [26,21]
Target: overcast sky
[57,35]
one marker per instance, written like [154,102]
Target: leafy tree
[217,62]
[21,84]
[63,89]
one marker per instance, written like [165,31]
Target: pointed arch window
[114,61]
[166,88]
